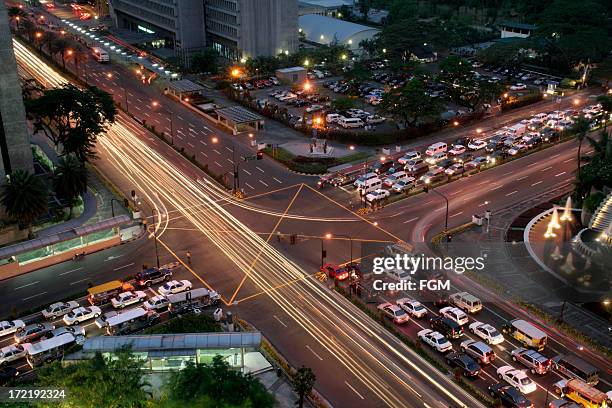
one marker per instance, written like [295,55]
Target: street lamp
[236,166]
[323,251]
[427,182]
[153,212]
[155,104]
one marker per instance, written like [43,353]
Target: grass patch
[189,323]
[359,156]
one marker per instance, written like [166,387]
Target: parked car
[81,314]
[435,340]
[335,271]
[412,307]
[536,362]
[151,276]
[516,378]
[10,326]
[32,332]
[314,108]
[375,119]
[394,312]
[517,149]
[468,366]
[509,396]
[486,332]
[518,87]
[8,374]
[476,163]
[128,298]
[456,168]
[11,353]
[59,309]
[174,286]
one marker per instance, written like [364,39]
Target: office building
[14,137]
[324,30]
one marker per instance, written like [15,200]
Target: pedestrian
[278,236]
[188,256]
[351,204]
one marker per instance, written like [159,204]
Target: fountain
[556,255]
[555,219]
[550,233]
[567,211]
[568,267]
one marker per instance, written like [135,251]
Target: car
[81,314]
[447,327]
[58,309]
[536,362]
[156,303]
[128,298]
[435,340]
[518,87]
[455,314]
[32,332]
[437,173]
[533,142]
[76,331]
[468,366]
[412,307]
[394,312]
[517,149]
[477,144]
[377,195]
[457,150]
[404,185]
[476,163]
[408,156]
[516,378]
[11,353]
[7,374]
[174,286]
[456,168]
[563,403]
[335,271]
[375,119]
[149,276]
[10,326]
[478,350]
[314,108]
[380,167]
[509,396]
[486,332]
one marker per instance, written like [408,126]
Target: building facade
[14,137]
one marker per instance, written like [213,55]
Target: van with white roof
[436,148]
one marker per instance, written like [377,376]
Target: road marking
[280,321]
[354,390]
[191,124]
[139,100]
[25,286]
[192,130]
[129,93]
[190,145]
[536,183]
[495,188]
[218,164]
[70,271]
[263,183]
[157,121]
[205,155]
[247,172]
[138,107]
[484,182]
[560,174]
[532,164]
[110,258]
[122,267]
[313,352]
[203,142]
[33,296]
[147,115]
[509,194]
[410,220]
[179,117]
[216,151]
[555,155]
[277,180]
[547,168]
[79,281]
[521,178]
[568,160]
[179,136]
[454,215]
[257,167]
[456,192]
[247,184]
[229,149]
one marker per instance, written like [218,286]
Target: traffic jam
[151,297]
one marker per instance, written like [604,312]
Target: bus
[582,393]
[128,322]
[99,54]
[48,350]
[526,333]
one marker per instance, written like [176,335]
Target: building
[293,75]
[167,24]
[511,29]
[423,54]
[239,29]
[323,30]
[14,137]
[324,7]
[239,119]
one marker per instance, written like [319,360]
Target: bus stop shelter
[239,119]
[184,88]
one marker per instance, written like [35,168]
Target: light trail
[380,361]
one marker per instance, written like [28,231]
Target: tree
[100,382]
[60,46]
[355,76]
[73,118]
[303,383]
[16,14]
[25,197]
[606,106]
[502,54]
[410,103]
[70,179]
[580,128]
[403,10]
[342,103]
[602,148]
[79,55]
[48,39]
[205,61]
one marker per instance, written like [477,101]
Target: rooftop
[521,26]
[291,69]
[326,3]
[185,85]
[324,30]
[238,114]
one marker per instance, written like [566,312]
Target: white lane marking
[279,320]
[354,390]
[257,167]
[411,220]
[179,136]
[205,155]
[191,124]
[555,155]
[218,164]
[454,215]
[190,145]
[247,172]
[313,352]
[250,186]
[495,188]
[25,286]
[203,142]
[263,183]
[124,266]
[138,107]
[456,192]
[536,183]
[33,296]
[568,160]
[560,174]
[228,148]
[139,100]
[156,121]
[179,117]
[216,151]
[230,160]
[192,130]
[277,180]
[79,281]
[70,271]
[532,164]
[521,178]
[514,192]
[147,115]
[110,258]
[547,168]
[129,93]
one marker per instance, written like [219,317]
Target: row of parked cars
[255,84]
[471,355]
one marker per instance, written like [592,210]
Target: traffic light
[259,155]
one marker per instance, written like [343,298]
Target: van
[395,177]
[525,332]
[333,117]
[436,158]
[101,294]
[370,185]
[350,122]
[416,170]
[436,148]
[517,130]
[572,366]
[446,327]
[581,393]
[362,180]
[467,302]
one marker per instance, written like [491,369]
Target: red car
[334,271]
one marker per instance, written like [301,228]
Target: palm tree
[79,56]
[61,46]
[606,106]
[25,197]
[16,14]
[29,28]
[602,148]
[48,39]
[580,128]
[70,179]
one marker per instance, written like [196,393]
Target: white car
[486,332]
[128,298]
[375,119]
[455,314]
[394,313]
[58,309]
[403,185]
[11,353]
[517,149]
[477,144]
[454,169]
[377,195]
[539,118]
[412,307]
[156,302]
[10,327]
[80,314]
[174,286]
[408,156]
[435,340]
[314,108]
[516,378]
[457,150]
[518,87]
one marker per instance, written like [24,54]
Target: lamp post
[323,252]
[112,207]
[427,188]
[153,212]
[235,164]
[155,104]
